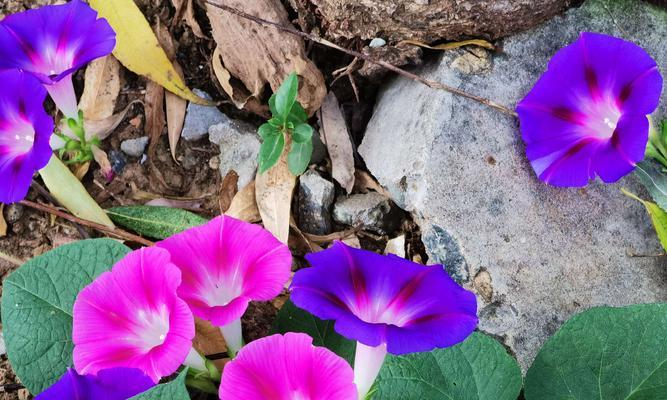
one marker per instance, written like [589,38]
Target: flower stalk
[233,334]
[367,364]
[62,93]
[69,191]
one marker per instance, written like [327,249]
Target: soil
[31,233]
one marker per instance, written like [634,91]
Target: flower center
[602,117]
[154,327]
[19,139]
[221,290]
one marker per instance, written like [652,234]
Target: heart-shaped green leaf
[37,305]
[604,353]
[174,390]
[155,222]
[477,369]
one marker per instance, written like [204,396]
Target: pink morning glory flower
[52,42]
[109,384]
[131,317]
[588,113]
[287,368]
[227,263]
[385,303]
[25,131]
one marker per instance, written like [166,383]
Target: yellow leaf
[138,49]
[451,45]
[658,216]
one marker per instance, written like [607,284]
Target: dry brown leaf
[185,12]
[101,88]
[301,242]
[80,170]
[337,139]
[363,182]
[273,190]
[396,246]
[208,340]
[104,127]
[3,223]
[155,116]
[191,205]
[452,45]
[244,205]
[322,239]
[239,96]
[258,55]
[228,190]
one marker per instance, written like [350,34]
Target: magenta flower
[385,303]
[52,42]
[25,131]
[109,384]
[587,115]
[226,263]
[132,317]
[287,368]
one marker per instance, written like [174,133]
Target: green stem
[64,186]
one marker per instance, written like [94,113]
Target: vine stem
[309,36]
[116,232]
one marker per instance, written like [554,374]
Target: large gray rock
[534,254]
[316,196]
[371,211]
[239,146]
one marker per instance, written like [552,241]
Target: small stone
[117,160]
[134,147]
[199,118]
[239,146]
[214,163]
[371,211]
[316,195]
[13,213]
[377,42]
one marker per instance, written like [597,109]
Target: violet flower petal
[51,42]
[378,299]
[587,114]
[25,131]
[285,368]
[132,317]
[109,384]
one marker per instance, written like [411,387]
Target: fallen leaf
[138,49]
[103,161]
[322,239]
[225,79]
[228,190]
[658,217]
[244,205]
[155,116]
[257,55]
[190,205]
[104,127]
[80,170]
[337,139]
[451,45]
[3,223]
[363,182]
[101,88]
[185,12]
[208,341]
[396,246]
[273,190]
[301,242]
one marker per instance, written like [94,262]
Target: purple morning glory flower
[25,131]
[385,303]
[110,384]
[587,114]
[52,42]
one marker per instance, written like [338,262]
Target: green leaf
[298,114]
[267,130]
[37,307]
[286,96]
[173,390]
[155,222]
[302,133]
[272,105]
[299,157]
[477,369]
[270,151]
[604,353]
[651,176]
[658,216]
[290,318]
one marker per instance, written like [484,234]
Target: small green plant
[656,147]
[289,120]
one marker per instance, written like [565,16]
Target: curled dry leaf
[80,170]
[185,12]
[337,139]
[451,45]
[138,49]
[244,205]
[3,223]
[104,127]
[273,190]
[228,190]
[155,116]
[238,96]
[363,182]
[323,239]
[257,55]
[101,88]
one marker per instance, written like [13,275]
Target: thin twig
[430,83]
[10,259]
[119,233]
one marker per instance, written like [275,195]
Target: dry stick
[430,83]
[119,233]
